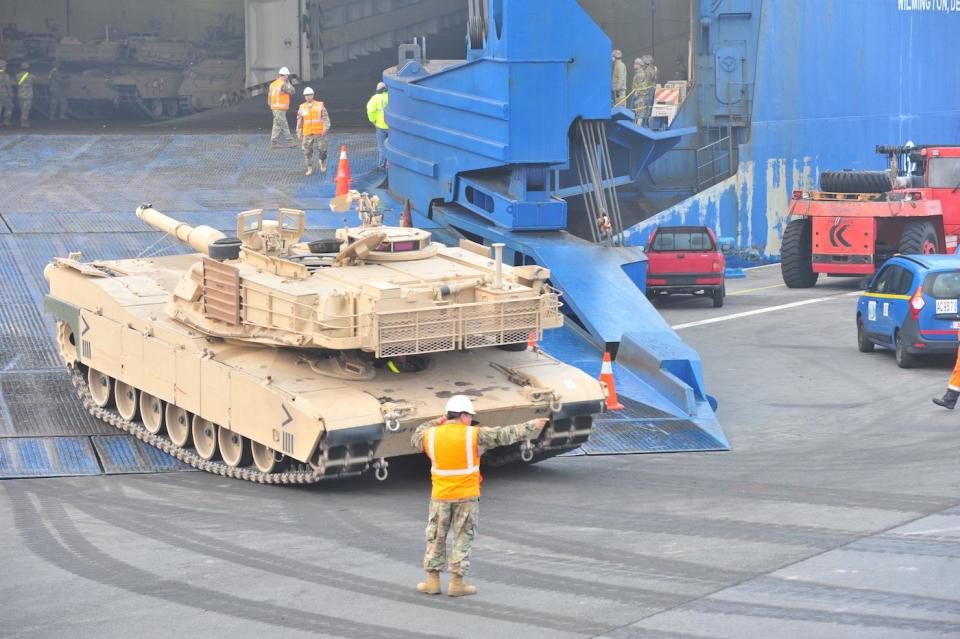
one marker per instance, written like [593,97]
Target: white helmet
[283,71]
[308,91]
[460,404]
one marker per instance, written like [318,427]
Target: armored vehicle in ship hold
[275,360]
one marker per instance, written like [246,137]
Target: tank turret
[385,290]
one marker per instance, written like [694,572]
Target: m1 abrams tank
[211,83]
[269,359]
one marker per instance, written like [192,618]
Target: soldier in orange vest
[313,124]
[278,97]
[454,445]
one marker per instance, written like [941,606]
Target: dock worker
[619,80]
[454,445]
[949,399]
[642,90]
[278,97]
[25,93]
[6,95]
[376,113]
[313,125]
[58,101]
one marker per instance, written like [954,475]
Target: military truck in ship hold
[859,219]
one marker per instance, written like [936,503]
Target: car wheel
[718,295]
[904,359]
[863,342]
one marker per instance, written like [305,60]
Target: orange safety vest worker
[279,101]
[312,115]
[455,471]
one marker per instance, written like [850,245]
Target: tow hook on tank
[393,412]
[526,450]
[380,470]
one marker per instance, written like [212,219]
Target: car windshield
[943,173]
[943,285]
[682,240]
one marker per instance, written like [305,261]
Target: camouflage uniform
[58,101]
[25,94]
[461,515]
[6,97]
[314,144]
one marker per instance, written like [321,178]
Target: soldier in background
[454,446]
[278,97]
[642,90]
[681,65]
[619,80]
[6,95]
[25,93]
[313,125]
[651,73]
[58,100]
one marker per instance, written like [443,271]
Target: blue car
[910,306]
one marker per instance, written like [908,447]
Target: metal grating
[123,454]
[653,436]
[632,409]
[47,457]
[37,403]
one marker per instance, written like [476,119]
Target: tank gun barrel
[198,237]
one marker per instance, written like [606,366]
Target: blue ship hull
[828,81]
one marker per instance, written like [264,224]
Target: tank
[267,358]
[211,83]
[148,90]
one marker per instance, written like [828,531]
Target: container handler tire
[919,237]
[855,182]
[796,265]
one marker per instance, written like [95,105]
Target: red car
[685,259]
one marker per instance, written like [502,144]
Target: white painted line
[754,268]
[761,311]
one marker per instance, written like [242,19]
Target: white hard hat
[381,85]
[308,91]
[460,404]
[283,71]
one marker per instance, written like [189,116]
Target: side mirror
[864,284]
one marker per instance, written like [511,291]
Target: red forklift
[859,219]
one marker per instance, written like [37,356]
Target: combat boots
[459,589]
[949,399]
[432,585]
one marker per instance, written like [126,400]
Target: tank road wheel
[151,412]
[128,404]
[266,459]
[919,237]
[204,437]
[101,387]
[796,259]
[178,425]
[66,342]
[234,448]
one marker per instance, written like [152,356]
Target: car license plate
[946,306]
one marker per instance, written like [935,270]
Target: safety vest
[312,115]
[26,74]
[279,101]
[455,470]
[377,109]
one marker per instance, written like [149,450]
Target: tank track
[306,476]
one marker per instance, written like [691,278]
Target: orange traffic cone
[606,376]
[532,341]
[343,172]
[406,220]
